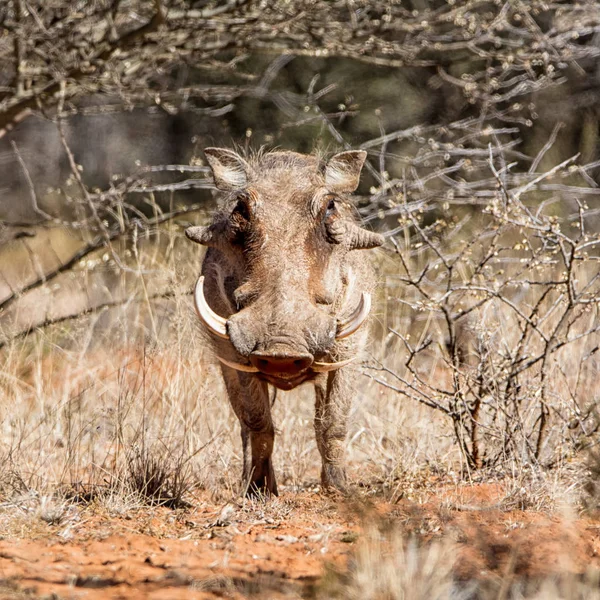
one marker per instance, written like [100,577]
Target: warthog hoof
[262,482]
[333,479]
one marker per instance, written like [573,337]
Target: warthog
[283,295]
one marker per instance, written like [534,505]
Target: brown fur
[280,275]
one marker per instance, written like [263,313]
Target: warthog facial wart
[284,297]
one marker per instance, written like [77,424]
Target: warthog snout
[271,328]
[280,364]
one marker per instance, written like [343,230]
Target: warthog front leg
[249,399]
[333,401]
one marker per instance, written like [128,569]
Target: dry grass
[126,408]
[392,567]
[93,402]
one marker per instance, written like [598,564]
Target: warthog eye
[242,208]
[333,224]
[331,207]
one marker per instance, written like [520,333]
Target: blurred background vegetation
[424,86]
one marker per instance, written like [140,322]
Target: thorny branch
[515,303]
[132,50]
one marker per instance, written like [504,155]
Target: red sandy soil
[278,548]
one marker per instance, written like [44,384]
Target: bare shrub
[508,348]
[145,53]
[158,478]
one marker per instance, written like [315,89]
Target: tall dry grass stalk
[394,568]
[90,403]
[389,566]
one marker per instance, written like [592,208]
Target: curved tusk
[207,315]
[321,367]
[356,319]
[238,366]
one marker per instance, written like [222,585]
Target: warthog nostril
[279,364]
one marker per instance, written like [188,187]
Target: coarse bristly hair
[282,255]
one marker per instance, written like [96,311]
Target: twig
[91,309]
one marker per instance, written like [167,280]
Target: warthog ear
[342,173]
[230,171]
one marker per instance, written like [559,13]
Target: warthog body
[283,294]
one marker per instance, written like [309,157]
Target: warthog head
[277,263]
